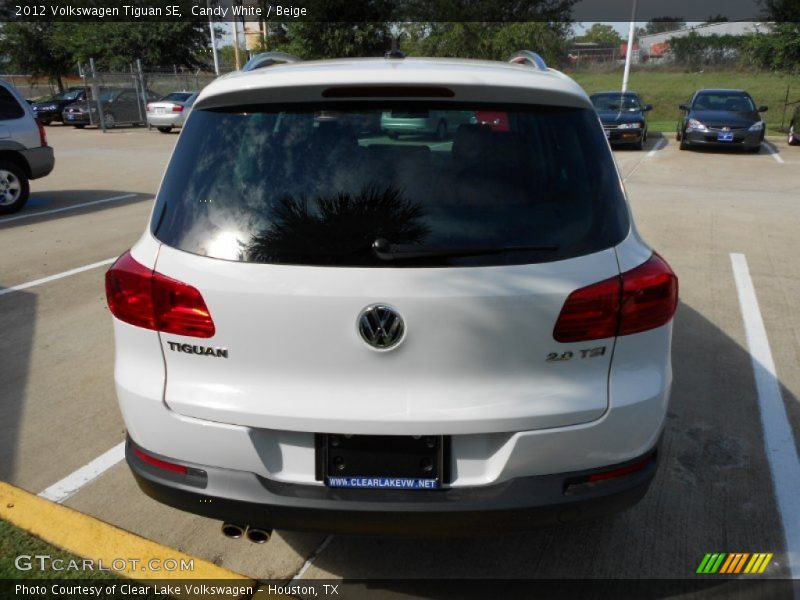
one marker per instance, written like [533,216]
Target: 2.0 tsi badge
[381,326]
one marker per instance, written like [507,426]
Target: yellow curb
[91,538]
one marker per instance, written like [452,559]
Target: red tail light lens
[149,108]
[590,313]
[129,292]
[649,296]
[142,297]
[621,471]
[177,108]
[158,463]
[42,133]
[179,308]
[640,299]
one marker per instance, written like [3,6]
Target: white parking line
[778,438]
[49,278]
[773,151]
[65,208]
[60,491]
[661,143]
[311,558]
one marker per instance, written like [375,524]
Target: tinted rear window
[318,185]
[177,97]
[9,107]
[616,102]
[724,101]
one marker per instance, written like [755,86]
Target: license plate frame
[725,136]
[382,462]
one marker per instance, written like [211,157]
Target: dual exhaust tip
[254,534]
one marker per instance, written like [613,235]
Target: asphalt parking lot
[713,493]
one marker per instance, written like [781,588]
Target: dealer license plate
[390,462]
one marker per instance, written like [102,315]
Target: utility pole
[213,39]
[629,52]
[236,44]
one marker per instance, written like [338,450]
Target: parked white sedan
[170,111]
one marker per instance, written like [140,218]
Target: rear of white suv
[328,329]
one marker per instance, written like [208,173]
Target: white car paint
[297,366]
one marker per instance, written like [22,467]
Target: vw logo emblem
[381,326]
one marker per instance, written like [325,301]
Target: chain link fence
[129,90]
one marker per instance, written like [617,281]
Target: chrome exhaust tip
[233,531]
[259,536]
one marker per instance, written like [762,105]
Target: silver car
[170,111]
[24,153]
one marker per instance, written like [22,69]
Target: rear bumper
[247,499]
[47,115]
[81,118]
[40,160]
[619,137]
[709,138]
[165,120]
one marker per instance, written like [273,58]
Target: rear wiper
[386,251]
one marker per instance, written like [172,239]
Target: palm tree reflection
[337,229]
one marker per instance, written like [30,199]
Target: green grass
[15,542]
[666,90]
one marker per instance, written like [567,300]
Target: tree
[339,29]
[493,41]
[664,24]
[310,40]
[601,33]
[781,11]
[38,49]
[779,49]
[116,45]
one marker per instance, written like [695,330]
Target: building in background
[655,47]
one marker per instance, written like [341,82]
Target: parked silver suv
[24,153]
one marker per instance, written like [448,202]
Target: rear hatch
[291,226]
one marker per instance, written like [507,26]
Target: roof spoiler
[267,59]
[529,58]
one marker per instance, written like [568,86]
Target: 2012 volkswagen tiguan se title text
[324,328]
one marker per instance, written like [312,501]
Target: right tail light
[643,298]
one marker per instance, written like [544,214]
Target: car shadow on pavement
[713,493]
[17,326]
[67,203]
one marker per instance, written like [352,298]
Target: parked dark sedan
[794,128]
[623,117]
[121,105]
[50,110]
[721,118]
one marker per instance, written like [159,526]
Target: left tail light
[145,298]
[149,108]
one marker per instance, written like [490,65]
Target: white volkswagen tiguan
[324,328]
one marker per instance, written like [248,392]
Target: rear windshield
[615,102]
[68,95]
[177,97]
[724,101]
[399,185]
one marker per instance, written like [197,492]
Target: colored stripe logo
[733,563]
